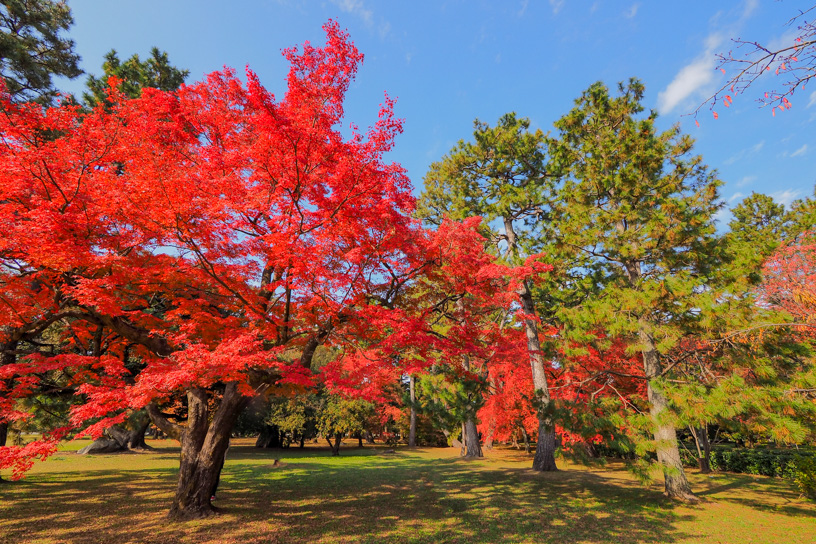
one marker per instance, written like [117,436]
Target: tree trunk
[703,448]
[526,440]
[412,432]
[126,437]
[470,440]
[204,446]
[335,447]
[544,459]
[3,438]
[369,437]
[665,434]
[269,437]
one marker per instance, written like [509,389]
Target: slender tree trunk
[204,442]
[526,440]
[3,438]
[703,448]
[335,447]
[544,459]
[665,434]
[412,431]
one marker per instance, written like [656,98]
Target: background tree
[135,75]
[639,208]
[32,50]
[501,176]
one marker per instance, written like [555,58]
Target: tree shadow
[362,496]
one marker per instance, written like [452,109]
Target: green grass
[424,495]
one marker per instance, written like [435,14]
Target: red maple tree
[206,235]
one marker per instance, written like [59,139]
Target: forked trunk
[204,445]
[665,434]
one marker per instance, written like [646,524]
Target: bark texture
[544,459]
[665,433]
[204,442]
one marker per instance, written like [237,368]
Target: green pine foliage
[33,50]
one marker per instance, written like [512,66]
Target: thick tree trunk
[470,440]
[665,434]
[335,447]
[204,442]
[122,437]
[412,431]
[544,459]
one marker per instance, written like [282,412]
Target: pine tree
[32,50]
[502,177]
[639,208]
[156,72]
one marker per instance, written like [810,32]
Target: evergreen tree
[156,72]
[32,50]
[502,177]
[639,207]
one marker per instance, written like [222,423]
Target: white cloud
[735,196]
[754,149]
[556,5]
[750,7]
[356,7]
[747,180]
[523,9]
[785,197]
[632,11]
[812,100]
[801,151]
[693,79]
[697,80]
[723,216]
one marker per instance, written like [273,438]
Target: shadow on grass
[358,497]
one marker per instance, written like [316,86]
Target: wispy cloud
[754,149]
[692,80]
[735,196]
[696,80]
[556,5]
[801,151]
[812,100]
[747,180]
[632,11]
[523,9]
[357,8]
[785,197]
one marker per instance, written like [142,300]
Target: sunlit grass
[364,495]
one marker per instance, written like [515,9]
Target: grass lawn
[423,495]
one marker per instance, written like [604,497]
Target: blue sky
[449,62]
